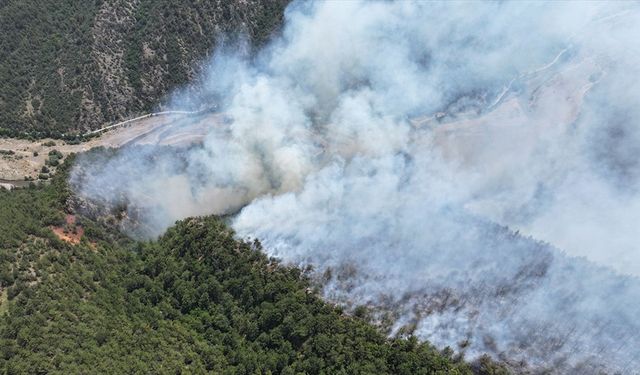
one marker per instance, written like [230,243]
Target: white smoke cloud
[395,145]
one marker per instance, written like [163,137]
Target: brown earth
[29,157]
[71,232]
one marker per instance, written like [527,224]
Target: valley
[319,187]
[26,158]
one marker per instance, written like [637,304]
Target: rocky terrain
[70,66]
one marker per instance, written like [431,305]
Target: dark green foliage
[186,32]
[44,49]
[195,301]
[70,65]
[54,158]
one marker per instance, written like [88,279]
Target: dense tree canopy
[197,300]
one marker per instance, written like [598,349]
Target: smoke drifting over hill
[396,146]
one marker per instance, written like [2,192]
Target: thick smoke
[397,146]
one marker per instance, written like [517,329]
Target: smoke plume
[469,172]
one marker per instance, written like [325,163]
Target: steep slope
[197,300]
[73,65]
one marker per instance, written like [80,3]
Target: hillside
[71,65]
[197,300]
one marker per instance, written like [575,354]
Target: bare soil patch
[23,159]
[70,232]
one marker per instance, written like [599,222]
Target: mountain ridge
[78,297]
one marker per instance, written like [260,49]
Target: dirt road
[23,159]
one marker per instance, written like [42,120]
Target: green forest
[72,65]
[196,300]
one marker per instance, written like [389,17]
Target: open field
[23,159]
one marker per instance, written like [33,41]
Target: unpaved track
[172,128]
[463,139]
[139,118]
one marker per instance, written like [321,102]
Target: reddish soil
[71,232]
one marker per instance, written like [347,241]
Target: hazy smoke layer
[393,145]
